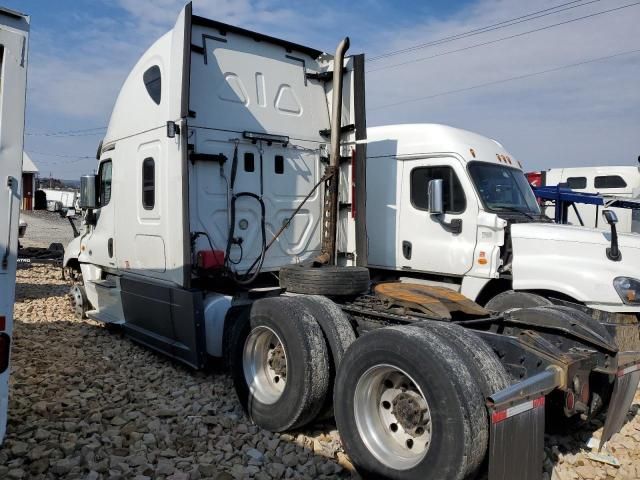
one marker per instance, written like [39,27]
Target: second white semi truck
[489,240]
[231,217]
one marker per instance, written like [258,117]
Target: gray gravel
[88,403]
[45,228]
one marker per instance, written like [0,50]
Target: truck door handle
[110,247]
[406,249]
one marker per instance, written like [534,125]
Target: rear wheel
[408,407]
[478,355]
[511,299]
[279,364]
[338,333]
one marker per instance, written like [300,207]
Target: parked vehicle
[489,241]
[14,35]
[621,182]
[239,229]
[565,201]
[60,199]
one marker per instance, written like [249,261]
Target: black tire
[325,280]
[307,364]
[56,247]
[478,355]
[511,299]
[458,415]
[338,334]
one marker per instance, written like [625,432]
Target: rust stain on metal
[437,301]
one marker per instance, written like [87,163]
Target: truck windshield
[503,189]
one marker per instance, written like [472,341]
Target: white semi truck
[229,218]
[490,241]
[14,35]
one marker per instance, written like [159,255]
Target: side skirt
[167,319]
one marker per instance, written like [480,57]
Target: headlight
[628,289]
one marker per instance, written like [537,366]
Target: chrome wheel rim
[77,301]
[393,417]
[264,362]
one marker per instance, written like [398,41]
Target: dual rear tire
[410,405]
[285,352]
[409,401]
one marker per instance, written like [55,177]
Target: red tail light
[210,259]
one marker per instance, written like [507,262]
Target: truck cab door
[14,30]
[436,243]
[100,246]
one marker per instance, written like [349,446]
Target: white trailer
[610,181]
[14,34]
[490,241]
[229,219]
[65,199]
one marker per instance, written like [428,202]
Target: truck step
[104,317]
[107,283]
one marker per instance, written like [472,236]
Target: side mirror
[88,194]
[435,197]
[610,216]
[613,252]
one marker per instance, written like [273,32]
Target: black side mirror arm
[613,252]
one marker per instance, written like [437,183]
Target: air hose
[247,277]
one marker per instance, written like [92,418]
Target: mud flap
[624,390]
[516,441]
[516,430]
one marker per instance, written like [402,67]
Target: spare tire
[325,280]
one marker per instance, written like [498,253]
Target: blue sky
[82,50]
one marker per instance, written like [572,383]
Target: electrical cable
[59,155]
[248,277]
[504,80]
[489,28]
[65,133]
[491,42]
[285,225]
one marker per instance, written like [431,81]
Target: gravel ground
[45,228]
[88,403]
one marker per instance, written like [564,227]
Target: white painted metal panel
[242,85]
[14,31]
